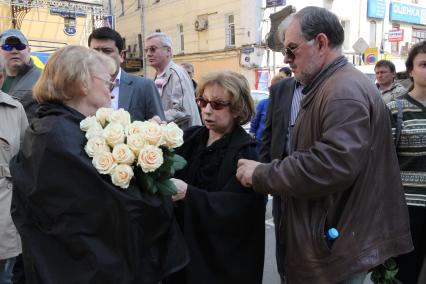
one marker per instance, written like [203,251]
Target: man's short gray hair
[164,39]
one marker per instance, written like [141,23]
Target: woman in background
[223,222]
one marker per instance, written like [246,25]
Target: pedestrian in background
[257,124]
[286,72]
[410,135]
[172,81]
[20,69]
[343,209]
[385,77]
[223,222]
[189,68]
[13,123]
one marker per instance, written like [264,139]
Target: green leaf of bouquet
[178,161]
[145,181]
[166,187]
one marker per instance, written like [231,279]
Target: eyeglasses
[153,49]
[108,83]
[216,105]
[9,47]
[289,52]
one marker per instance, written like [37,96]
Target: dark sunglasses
[9,47]
[216,105]
[289,52]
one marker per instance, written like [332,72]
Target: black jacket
[77,227]
[223,222]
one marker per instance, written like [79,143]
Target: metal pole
[273,54]
[143,55]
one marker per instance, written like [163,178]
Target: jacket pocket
[320,238]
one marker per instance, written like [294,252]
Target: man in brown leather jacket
[342,170]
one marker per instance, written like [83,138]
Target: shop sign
[407,13]
[370,55]
[376,9]
[396,35]
[275,3]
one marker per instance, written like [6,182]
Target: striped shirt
[411,148]
[295,107]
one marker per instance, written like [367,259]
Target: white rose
[103,162]
[134,128]
[87,123]
[173,135]
[120,116]
[150,158]
[152,133]
[135,142]
[114,134]
[121,175]
[95,145]
[102,115]
[95,130]
[123,155]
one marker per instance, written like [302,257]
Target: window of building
[373,27]
[229,31]
[418,35]
[138,3]
[181,42]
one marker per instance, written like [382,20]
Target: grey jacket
[178,95]
[139,97]
[13,123]
[21,88]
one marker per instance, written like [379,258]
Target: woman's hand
[181,187]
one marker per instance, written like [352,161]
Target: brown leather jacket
[343,173]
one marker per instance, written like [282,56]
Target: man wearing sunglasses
[341,174]
[20,69]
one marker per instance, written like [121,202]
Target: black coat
[77,227]
[223,222]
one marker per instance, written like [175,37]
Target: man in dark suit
[137,95]
[283,106]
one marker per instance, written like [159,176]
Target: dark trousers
[410,264]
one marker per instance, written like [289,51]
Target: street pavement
[270,273]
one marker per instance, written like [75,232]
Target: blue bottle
[331,235]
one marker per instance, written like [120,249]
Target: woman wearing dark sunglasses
[223,222]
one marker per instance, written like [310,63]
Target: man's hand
[181,187]
[245,171]
[157,119]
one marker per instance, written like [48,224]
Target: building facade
[230,34]
[49,24]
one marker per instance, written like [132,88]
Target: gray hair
[316,20]
[164,39]
[282,27]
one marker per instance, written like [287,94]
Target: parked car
[258,95]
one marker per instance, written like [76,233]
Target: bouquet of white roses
[124,149]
